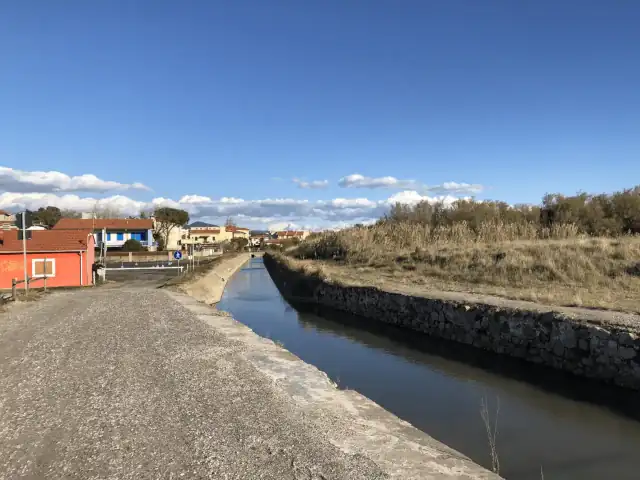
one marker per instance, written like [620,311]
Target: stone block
[626,353]
[627,339]
[558,348]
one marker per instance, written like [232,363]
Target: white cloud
[194,199]
[350,203]
[411,197]
[33,201]
[314,184]
[360,181]
[457,188]
[32,190]
[269,211]
[12,180]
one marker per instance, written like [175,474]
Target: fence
[15,282]
[114,257]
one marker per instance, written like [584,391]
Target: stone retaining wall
[606,353]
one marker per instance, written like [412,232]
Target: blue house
[114,232]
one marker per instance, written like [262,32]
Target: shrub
[236,244]
[600,214]
[132,245]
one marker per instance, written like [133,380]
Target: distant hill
[202,224]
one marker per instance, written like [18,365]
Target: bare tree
[104,211]
[70,214]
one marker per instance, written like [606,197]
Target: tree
[230,222]
[48,216]
[158,238]
[132,245]
[167,219]
[237,244]
[106,212]
[146,213]
[70,214]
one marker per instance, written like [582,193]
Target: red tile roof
[4,212]
[45,241]
[232,228]
[100,223]
[210,231]
[290,233]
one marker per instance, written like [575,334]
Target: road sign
[177,255]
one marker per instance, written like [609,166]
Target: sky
[314,114]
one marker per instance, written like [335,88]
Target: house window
[120,236]
[108,237]
[41,267]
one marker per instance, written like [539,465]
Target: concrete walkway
[125,383]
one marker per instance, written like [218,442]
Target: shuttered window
[41,267]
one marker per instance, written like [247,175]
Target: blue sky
[217,106]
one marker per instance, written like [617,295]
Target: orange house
[65,257]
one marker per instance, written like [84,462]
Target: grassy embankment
[573,251]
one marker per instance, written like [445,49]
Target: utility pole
[24,252]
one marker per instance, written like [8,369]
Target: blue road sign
[177,255]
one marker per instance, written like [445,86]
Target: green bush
[132,245]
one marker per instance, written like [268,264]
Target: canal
[546,421]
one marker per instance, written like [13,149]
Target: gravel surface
[120,382]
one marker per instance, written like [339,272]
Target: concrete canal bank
[355,425]
[597,345]
[208,287]
[547,419]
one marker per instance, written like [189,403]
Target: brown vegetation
[557,253]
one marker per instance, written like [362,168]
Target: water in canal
[568,428]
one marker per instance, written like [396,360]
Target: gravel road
[125,383]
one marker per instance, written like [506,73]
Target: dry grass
[509,260]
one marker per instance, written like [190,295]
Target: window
[108,237]
[41,267]
[120,236]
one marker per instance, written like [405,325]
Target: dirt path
[125,383]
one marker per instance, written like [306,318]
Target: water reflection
[549,420]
